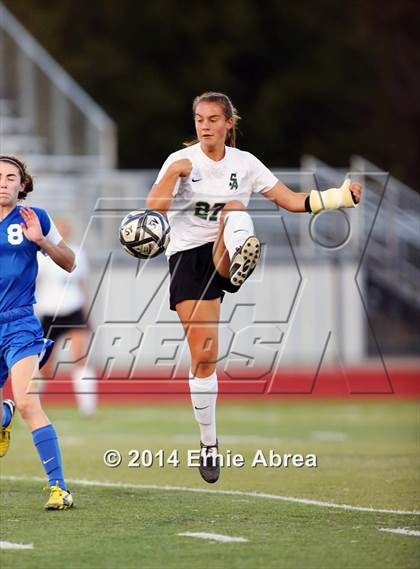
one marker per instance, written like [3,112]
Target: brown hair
[228,110]
[25,177]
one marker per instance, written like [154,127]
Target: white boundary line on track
[214,537]
[401,531]
[305,501]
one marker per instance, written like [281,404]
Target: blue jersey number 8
[14,234]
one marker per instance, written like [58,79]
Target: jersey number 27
[202,209]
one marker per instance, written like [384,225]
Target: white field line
[232,439]
[401,531]
[305,501]
[329,436]
[9,545]
[214,536]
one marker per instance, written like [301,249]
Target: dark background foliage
[327,78]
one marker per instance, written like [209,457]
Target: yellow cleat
[59,499]
[5,431]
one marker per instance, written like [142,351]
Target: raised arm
[348,195]
[161,195]
[286,198]
[61,253]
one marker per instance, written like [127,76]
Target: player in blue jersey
[23,349]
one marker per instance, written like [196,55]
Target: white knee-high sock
[203,398]
[238,227]
[85,387]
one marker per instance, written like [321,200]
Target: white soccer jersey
[59,293]
[199,197]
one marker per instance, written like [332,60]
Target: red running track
[338,383]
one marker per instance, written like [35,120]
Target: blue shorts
[21,335]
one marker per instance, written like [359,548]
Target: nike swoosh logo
[195,179]
[47,461]
[200,408]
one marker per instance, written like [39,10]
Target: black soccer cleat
[244,261]
[209,466]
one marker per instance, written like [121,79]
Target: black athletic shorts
[194,276]
[62,324]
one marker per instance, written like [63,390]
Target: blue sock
[46,442]
[7,415]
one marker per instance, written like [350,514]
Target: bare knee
[28,406]
[233,205]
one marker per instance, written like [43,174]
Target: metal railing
[393,251]
[387,227]
[35,88]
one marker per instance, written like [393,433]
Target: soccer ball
[145,233]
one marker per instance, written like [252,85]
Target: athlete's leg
[7,410]
[47,371]
[221,256]
[83,377]
[47,374]
[25,391]
[236,249]
[28,403]
[200,320]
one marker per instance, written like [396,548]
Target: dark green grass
[367,456]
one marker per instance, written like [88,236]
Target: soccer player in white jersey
[23,232]
[205,188]
[62,309]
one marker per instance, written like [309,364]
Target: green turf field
[367,456]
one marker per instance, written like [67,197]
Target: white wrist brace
[332,198]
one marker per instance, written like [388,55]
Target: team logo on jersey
[233,182]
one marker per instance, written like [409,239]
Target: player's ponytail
[228,110]
[25,177]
